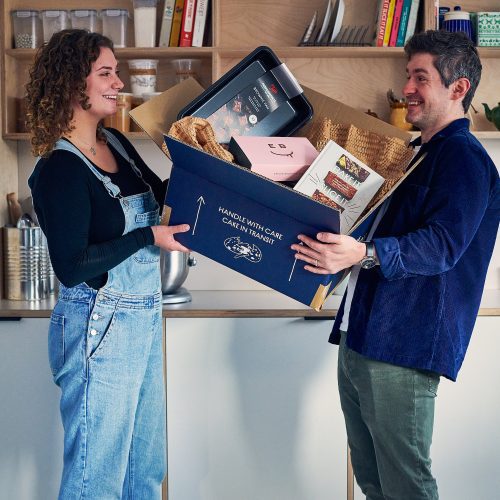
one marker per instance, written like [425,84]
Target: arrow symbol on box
[293,267]
[200,202]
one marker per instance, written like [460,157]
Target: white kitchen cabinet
[466,445]
[31,435]
[253,411]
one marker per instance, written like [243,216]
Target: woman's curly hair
[56,79]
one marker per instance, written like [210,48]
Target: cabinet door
[253,410]
[466,444]
[31,435]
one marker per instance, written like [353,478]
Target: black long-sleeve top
[83,224]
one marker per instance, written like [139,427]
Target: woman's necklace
[90,147]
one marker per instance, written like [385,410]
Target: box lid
[156,116]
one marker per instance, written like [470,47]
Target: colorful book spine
[200,22]
[175,32]
[396,22]
[388,26]
[166,23]
[382,21]
[186,37]
[412,19]
[403,24]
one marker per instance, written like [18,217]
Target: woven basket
[388,156]
[198,132]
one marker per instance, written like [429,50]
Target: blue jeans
[389,416]
[112,398]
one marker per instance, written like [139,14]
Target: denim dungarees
[105,353]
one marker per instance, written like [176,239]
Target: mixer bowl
[174,270]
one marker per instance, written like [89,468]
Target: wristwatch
[369,260]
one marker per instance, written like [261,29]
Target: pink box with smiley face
[277,158]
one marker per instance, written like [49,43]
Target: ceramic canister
[458,20]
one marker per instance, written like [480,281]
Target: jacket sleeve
[455,202]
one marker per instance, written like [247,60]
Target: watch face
[368,263]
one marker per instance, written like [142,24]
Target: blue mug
[458,21]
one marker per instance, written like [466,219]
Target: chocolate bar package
[277,158]
[258,97]
[341,181]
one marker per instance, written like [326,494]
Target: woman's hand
[330,253]
[164,237]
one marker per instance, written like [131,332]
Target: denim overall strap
[112,189]
[121,150]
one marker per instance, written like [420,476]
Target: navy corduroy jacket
[434,243]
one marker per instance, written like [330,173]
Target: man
[415,287]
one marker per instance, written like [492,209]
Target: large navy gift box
[241,219]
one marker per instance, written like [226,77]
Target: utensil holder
[28,272]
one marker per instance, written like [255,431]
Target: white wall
[209,275]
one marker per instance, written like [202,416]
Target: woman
[98,203]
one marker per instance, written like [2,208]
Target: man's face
[430,103]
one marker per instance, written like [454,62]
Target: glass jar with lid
[86,19]
[27,29]
[53,21]
[114,25]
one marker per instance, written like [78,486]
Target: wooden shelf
[319,52]
[480,134]
[231,53]
[140,136]
[133,53]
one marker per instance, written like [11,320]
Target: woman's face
[103,84]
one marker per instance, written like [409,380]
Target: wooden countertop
[230,304]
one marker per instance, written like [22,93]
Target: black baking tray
[258,96]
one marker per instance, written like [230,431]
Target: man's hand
[164,237]
[330,253]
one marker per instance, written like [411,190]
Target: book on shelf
[388,26]
[412,19]
[186,36]
[200,22]
[339,180]
[398,7]
[403,25]
[166,23]
[175,31]
[383,10]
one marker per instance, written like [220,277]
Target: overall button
[95,316]
[93,331]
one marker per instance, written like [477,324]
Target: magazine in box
[341,181]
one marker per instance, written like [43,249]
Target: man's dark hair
[454,57]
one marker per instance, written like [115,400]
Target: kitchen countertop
[229,304]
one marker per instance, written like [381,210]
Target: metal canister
[28,271]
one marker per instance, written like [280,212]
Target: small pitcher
[398,115]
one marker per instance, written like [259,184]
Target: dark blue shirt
[434,243]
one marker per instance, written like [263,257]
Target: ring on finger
[316,263]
